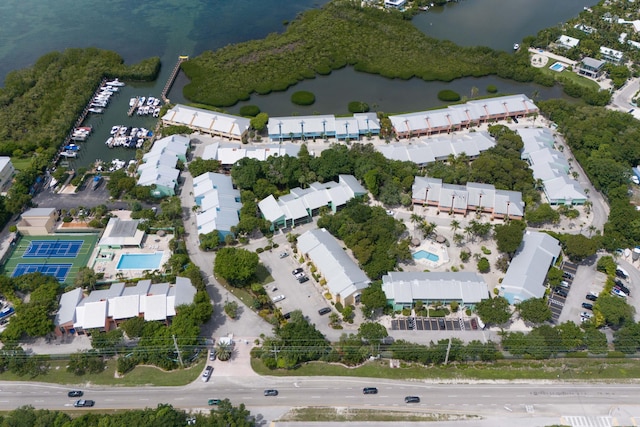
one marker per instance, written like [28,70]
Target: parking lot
[558,301]
[430,324]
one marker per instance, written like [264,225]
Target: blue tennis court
[54,249]
[59,271]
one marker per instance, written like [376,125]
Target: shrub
[615,355]
[483,265]
[406,312]
[259,250]
[303,98]
[448,95]
[339,307]
[454,306]
[328,296]
[485,250]
[13,229]
[492,89]
[249,110]
[267,248]
[358,107]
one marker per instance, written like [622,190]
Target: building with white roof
[403,288]
[301,204]
[120,233]
[611,55]
[159,167]
[427,151]
[344,277]
[525,277]
[323,126]
[219,203]
[6,171]
[207,122]
[462,116]
[550,167]
[229,154]
[462,199]
[106,309]
[395,4]
[567,42]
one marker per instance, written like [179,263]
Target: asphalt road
[504,403]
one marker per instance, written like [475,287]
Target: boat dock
[132,109]
[172,78]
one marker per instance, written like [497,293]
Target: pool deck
[102,262]
[434,248]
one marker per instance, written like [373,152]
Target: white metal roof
[407,287]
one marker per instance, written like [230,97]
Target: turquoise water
[422,254]
[140,261]
[557,67]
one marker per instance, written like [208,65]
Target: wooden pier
[172,78]
[132,109]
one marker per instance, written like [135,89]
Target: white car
[277,298]
[618,292]
[207,373]
[586,315]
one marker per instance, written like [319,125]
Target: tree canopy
[509,236]
[494,310]
[237,266]
[535,310]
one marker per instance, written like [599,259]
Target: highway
[503,403]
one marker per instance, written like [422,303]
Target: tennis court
[59,271]
[59,255]
[57,249]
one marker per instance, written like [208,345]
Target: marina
[127,137]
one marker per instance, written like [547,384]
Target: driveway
[87,198]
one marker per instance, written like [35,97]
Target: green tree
[224,351]
[578,247]
[607,265]
[554,276]
[199,166]
[237,266]
[509,236]
[86,278]
[231,309]
[373,297]
[614,310]
[535,310]
[494,310]
[83,362]
[483,265]
[372,331]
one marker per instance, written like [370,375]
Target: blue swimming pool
[557,67]
[140,261]
[422,254]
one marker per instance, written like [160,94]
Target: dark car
[369,390]
[212,402]
[324,311]
[623,288]
[271,392]
[296,271]
[587,306]
[441,323]
[561,292]
[591,297]
[567,275]
[474,323]
[84,403]
[412,399]
[75,393]
[287,315]
[621,274]
[303,279]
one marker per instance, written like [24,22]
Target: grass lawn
[311,414]
[565,369]
[570,76]
[20,164]
[141,375]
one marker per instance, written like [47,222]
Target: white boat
[113,88]
[516,46]
[141,100]
[96,110]
[150,100]
[156,102]
[69,154]
[156,112]
[115,82]
[109,142]
[114,129]
[132,102]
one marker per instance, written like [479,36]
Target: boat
[79,138]
[156,112]
[133,101]
[72,147]
[69,154]
[516,46]
[96,110]
[115,82]
[96,182]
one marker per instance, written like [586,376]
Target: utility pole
[175,344]
[446,359]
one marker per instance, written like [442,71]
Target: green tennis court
[82,245]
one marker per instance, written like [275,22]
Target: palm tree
[224,351]
[591,229]
[587,206]
[415,219]
[455,225]
[458,238]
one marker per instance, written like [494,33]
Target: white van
[481,324]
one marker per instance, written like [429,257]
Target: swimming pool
[422,254]
[557,67]
[140,261]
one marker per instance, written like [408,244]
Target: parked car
[324,311]
[84,403]
[369,390]
[412,399]
[617,292]
[586,315]
[591,297]
[299,275]
[303,279]
[212,402]
[623,288]
[75,393]
[271,392]
[622,273]
[474,323]
[561,292]
[278,298]
[441,323]
[587,306]
[283,254]
[287,315]
[207,373]
[565,284]
[567,275]
[296,271]
[212,354]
